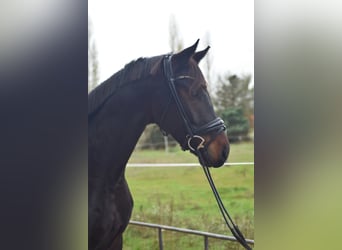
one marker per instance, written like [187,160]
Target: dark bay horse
[168,90]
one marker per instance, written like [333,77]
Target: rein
[229,222]
[193,134]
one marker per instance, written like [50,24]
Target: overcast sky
[128,29]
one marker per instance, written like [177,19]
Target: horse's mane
[133,71]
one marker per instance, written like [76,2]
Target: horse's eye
[194,93]
[198,94]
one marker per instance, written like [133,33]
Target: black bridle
[194,141]
[215,127]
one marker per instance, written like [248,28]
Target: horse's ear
[200,54]
[187,53]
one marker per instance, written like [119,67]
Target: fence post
[166,143]
[160,238]
[206,243]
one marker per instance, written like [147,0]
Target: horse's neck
[114,132]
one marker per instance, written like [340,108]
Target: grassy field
[181,197]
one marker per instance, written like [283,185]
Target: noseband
[195,141]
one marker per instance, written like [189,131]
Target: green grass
[238,153]
[182,197]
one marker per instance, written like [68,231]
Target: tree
[234,102]
[175,41]
[237,123]
[208,62]
[234,91]
[93,64]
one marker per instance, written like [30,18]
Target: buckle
[199,146]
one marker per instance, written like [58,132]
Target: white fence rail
[146,165]
[206,235]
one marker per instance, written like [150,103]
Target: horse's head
[187,112]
